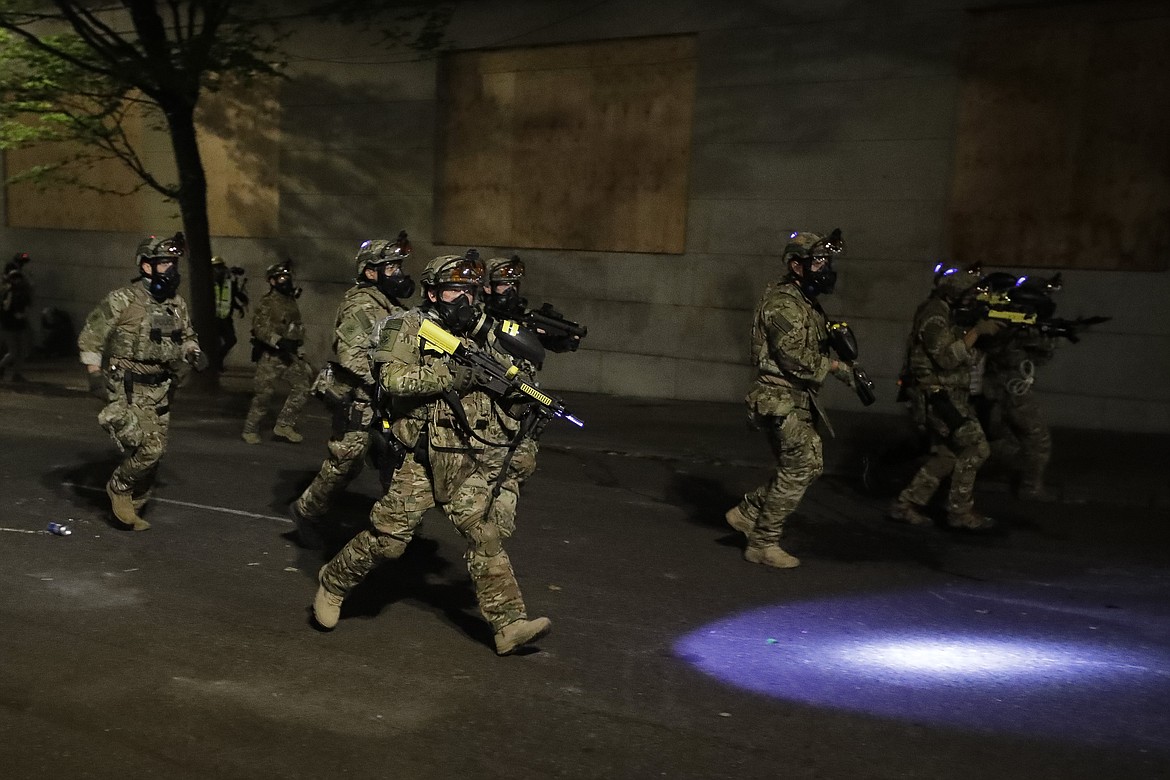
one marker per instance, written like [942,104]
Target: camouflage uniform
[790,353]
[441,467]
[278,333]
[362,308]
[143,343]
[940,363]
[1014,418]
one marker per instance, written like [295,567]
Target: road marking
[222,509]
[19,531]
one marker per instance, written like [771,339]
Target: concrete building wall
[808,115]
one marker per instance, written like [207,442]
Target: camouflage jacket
[1007,354]
[132,331]
[789,350]
[413,381]
[277,317]
[362,308]
[936,356]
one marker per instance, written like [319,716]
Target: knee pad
[484,538]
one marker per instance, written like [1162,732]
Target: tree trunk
[193,208]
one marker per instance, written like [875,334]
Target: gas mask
[284,285]
[459,316]
[398,285]
[162,285]
[820,282]
[505,304]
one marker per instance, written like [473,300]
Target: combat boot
[907,512]
[970,521]
[250,435]
[288,433]
[771,555]
[123,507]
[512,636]
[738,520]
[326,608]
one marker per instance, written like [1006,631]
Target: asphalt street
[1041,651]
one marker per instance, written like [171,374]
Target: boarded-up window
[1062,159]
[583,146]
[238,142]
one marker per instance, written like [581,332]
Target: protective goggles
[510,271]
[462,271]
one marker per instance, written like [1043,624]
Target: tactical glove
[97,385]
[197,359]
[987,327]
[466,378]
[288,345]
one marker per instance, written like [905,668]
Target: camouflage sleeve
[91,342]
[264,329]
[944,348]
[190,337]
[406,371]
[355,324]
[794,347]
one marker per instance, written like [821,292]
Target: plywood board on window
[1061,156]
[582,146]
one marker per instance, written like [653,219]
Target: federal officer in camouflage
[502,301]
[937,377]
[1014,424]
[348,384]
[278,338]
[790,353]
[133,345]
[442,459]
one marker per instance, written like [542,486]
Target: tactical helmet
[464,273]
[218,261]
[505,303]
[379,251]
[950,279]
[152,249]
[277,269]
[453,270]
[155,251]
[807,248]
[505,269]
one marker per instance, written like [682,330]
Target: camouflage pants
[520,468]
[138,423]
[799,461]
[394,519]
[958,448]
[270,369]
[347,454]
[1018,430]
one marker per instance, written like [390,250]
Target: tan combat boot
[771,555]
[907,512]
[250,434]
[326,608]
[288,433]
[512,636]
[123,507]
[738,520]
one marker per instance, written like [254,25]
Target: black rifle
[844,343]
[1002,306]
[554,331]
[501,381]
